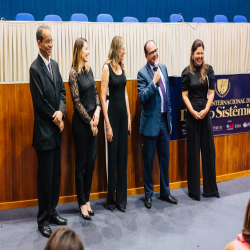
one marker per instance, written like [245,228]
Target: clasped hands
[58,115]
[94,122]
[199,115]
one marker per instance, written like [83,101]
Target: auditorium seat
[130,19]
[104,18]
[24,17]
[199,20]
[154,20]
[240,19]
[54,18]
[220,19]
[79,17]
[175,18]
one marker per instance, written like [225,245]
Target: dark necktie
[50,71]
[164,95]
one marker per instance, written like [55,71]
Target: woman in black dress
[117,120]
[85,120]
[198,94]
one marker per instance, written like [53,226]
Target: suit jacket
[48,96]
[151,101]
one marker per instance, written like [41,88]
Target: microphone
[181,18]
[155,68]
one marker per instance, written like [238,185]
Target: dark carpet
[209,224]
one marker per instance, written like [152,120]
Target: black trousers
[85,155]
[118,154]
[200,138]
[48,184]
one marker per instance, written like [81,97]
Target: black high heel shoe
[122,209]
[85,217]
[193,197]
[91,212]
[110,208]
[217,195]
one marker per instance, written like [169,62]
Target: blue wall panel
[141,9]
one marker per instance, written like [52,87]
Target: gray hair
[39,32]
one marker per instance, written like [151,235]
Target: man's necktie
[50,71]
[164,95]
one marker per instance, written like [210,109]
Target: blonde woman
[118,124]
[85,120]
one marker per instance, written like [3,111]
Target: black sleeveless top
[117,84]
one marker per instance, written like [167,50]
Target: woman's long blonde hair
[79,43]
[114,50]
[246,226]
[196,44]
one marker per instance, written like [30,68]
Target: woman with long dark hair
[118,124]
[198,94]
[85,120]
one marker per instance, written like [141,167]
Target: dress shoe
[122,209]
[171,199]
[211,195]
[148,202]
[110,208]
[58,220]
[85,217]
[91,212]
[45,231]
[193,197]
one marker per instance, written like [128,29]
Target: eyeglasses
[49,41]
[152,52]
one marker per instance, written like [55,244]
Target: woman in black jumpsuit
[85,120]
[197,84]
[117,120]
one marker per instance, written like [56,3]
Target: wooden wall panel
[18,161]
[17,158]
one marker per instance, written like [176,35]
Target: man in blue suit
[155,123]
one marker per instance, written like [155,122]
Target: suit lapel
[150,72]
[53,72]
[45,69]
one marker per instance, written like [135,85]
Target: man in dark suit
[155,122]
[49,101]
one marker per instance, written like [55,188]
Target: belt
[115,98]
[199,102]
[163,114]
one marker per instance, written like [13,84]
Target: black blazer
[48,96]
